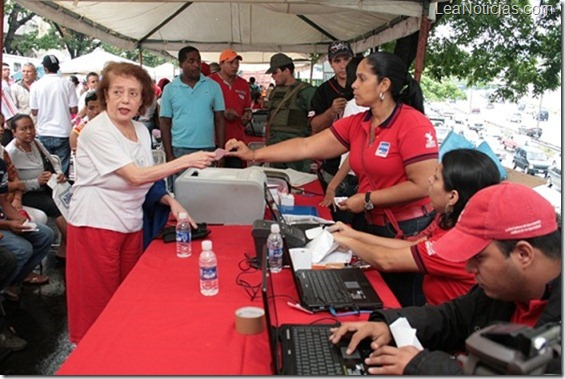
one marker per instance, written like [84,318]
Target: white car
[554,177]
[515,117]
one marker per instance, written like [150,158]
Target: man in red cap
[237,99]
[509,237]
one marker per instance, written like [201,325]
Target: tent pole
[421,50]
[139,55]
[2,35]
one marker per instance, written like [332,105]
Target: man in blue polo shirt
[192,110]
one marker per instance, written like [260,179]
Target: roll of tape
[249,320]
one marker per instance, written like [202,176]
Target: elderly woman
[461,174]
[115,170]
[35,167]
[393,150]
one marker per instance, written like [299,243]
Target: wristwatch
[368,205]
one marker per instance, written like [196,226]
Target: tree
[501,41]
[16,16]
[440,91]
[76,43]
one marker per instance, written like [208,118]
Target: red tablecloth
[158,323]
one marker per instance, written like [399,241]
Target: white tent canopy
[94,62]
[255,28]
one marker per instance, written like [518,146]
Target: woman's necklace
[376,122]
[31,154]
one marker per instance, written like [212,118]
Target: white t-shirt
[102,198]
[351,108]
[52,96]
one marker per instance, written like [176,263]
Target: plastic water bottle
[184,236]
[275,249]
[208,263]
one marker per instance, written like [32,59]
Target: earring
[382,96]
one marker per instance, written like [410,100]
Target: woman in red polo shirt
[392,149]
[458,177]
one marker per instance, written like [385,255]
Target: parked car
[476,110]
[515,117]
[490,106]
[554,177]
[534,131]
[476,124]
[542,115]
[521,106]
[532,160]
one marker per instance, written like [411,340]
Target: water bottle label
[275,253]
[183,236]
[208,273]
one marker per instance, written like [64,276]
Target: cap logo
[338,46]
[519,229]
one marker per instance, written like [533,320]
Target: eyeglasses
[118,93]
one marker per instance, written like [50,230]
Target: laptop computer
[305,349]
[330,289]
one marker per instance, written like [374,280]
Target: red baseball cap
[505,211]
[229,55]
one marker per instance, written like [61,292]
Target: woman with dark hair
[115,170]
[460,175]
[35,167]
[393,151]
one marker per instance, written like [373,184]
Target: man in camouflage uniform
[289,108]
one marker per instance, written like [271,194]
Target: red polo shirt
[406,137]
[237,97]
[443,280]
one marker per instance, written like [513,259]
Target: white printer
[230,196]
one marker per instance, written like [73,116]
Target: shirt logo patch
[430,247]
[383,149]
[430,141]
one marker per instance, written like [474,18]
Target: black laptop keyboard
[315,355]
[327,284]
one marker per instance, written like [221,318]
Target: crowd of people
[450,240]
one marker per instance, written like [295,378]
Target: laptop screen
[269,303]
[273,207]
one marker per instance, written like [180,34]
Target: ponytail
[404,87]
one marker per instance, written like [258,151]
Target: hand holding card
[340,199]
[29,226]
[219,153]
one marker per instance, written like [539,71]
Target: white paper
[301,258]
[321,246]
[404,334]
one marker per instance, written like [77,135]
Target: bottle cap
[206,245]
[275,228]
[183,215]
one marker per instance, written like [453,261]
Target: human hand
[200,159]
[390,360]
[61,178]
[338,105]
[355,203]
[342,229]
[236,148]
[177,208]
[328,199]
[44,177]
[231,115]
[17,226]
[247,116]
[378,332]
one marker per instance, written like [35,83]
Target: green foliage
[520,50]
[149,59]
[440,91]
